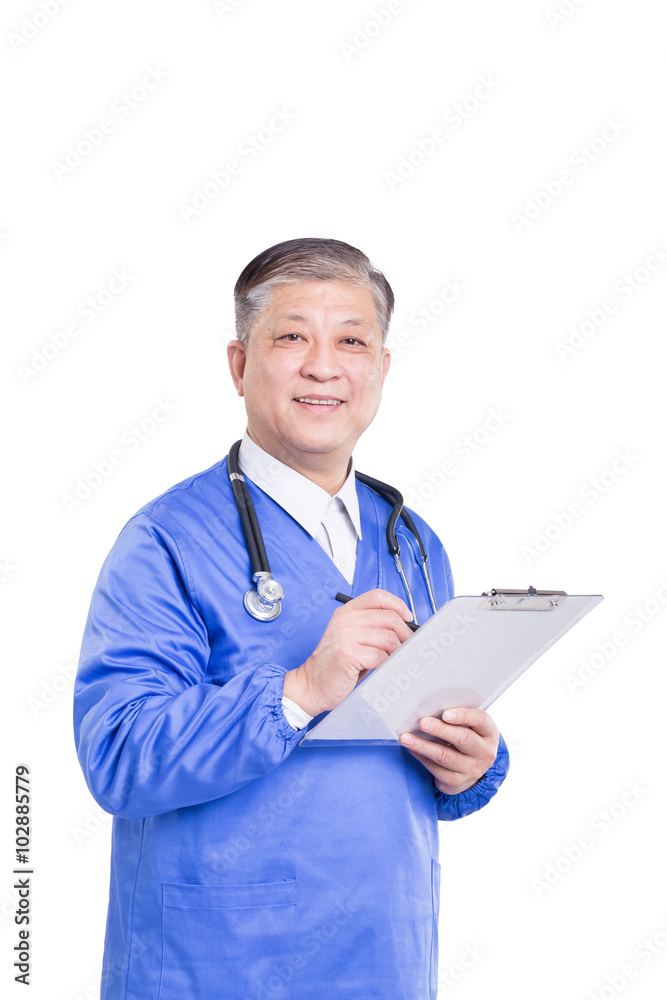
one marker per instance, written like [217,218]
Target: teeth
[318,402]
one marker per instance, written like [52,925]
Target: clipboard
[465,655]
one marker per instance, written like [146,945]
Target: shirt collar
[299,496]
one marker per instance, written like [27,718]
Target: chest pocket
[228,942]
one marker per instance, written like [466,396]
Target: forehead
[321,301]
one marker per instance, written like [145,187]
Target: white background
[361,98]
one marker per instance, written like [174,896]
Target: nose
[321,362]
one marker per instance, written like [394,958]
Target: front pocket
[435,911]
[228,942]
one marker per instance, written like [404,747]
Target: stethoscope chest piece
[264,601]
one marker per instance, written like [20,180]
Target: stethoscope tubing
[395,498]
[253,535]
[261,569]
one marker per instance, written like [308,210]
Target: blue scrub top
[243,866]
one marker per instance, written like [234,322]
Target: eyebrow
[298,318]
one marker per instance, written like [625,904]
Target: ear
[386,361]
[236,356]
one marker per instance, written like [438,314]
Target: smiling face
[312,376]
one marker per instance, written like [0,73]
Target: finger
[475,718]
[437,753]
[389,619]
[365,658]
[444,774]
[385,639]
[379,599]
[464,739]
[365,618]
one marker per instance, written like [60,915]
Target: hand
[359,637]
[470,744]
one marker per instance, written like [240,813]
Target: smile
[318,402]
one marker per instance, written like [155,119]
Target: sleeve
[151,734]
[294,714]
[464,803]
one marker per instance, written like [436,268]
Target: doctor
[244,866]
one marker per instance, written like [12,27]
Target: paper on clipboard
[465,655]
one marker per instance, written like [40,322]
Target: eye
[288,336]
[353,340]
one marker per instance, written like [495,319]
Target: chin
[324,445]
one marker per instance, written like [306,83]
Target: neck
[327,473]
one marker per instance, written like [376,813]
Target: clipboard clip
[524,600]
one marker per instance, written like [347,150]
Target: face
[312,375]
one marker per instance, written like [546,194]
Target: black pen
[343,598]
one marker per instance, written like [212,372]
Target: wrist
[460,792]
[295,687]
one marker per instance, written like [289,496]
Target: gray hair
[307,259]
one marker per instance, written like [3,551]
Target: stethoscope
[263,601]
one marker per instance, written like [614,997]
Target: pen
[343,598]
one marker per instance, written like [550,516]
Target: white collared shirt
[334,522]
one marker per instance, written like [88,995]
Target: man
[244,865]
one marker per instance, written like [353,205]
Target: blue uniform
[243,866]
